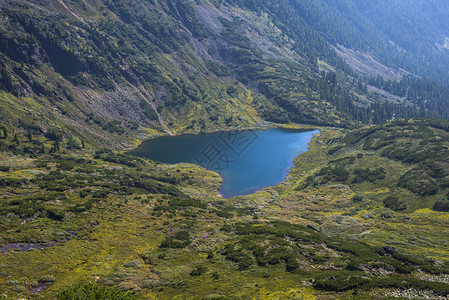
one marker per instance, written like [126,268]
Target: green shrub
[224,214]
[276,255]
[226,228]
[47,279]
[334,149]
[367,174]
[56,214]
[18,288]
[231,90]
[336,173]
[387,214]
[136,264]
[340,282]
[5,168]
[240,256]
[441,205]
[394,203]
[66,165]
[291,263]
[215,275]
[198,271]
[84,193]
[357,198]
[180,239]
[418,182]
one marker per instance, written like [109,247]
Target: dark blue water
[248,161]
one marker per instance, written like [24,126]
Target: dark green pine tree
[16,140]
[29,136]
[56,147]
[42,148]
[3,132]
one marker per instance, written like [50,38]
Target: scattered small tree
[442,204]
[16,140]
[394,203]
[3,132]
[29,136]
[198,271]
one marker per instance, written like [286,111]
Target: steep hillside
[106,71]
[403,34]
[103,69]
[384,40]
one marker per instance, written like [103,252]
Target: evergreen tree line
[431,98]
[5,78]
[414,28]
[375,112]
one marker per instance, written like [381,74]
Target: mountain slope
[402,39]
[363,214]
[403,34]
[144,63]
[104,71]
[77,221]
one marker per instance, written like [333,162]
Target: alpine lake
[246,160]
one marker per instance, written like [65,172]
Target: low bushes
[367,174]
[180,239]
[340,282]
[418,182]
[394,203]
[442,204]
[93,291]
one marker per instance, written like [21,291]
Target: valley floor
[85,221]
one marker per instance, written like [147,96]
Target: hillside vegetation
[106,71]
[352,220]
[363,214]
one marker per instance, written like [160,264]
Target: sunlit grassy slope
[128,225]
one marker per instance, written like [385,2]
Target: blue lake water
[247,161]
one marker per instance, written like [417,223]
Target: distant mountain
[101,70]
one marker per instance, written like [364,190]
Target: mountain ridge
[209,61]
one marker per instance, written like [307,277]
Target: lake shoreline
[247,160]
[264,126]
